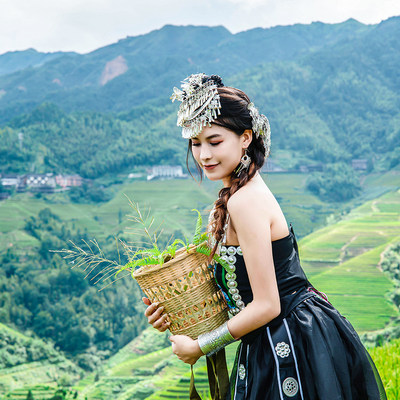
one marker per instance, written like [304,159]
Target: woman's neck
[255,178]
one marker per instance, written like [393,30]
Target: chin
[215,177]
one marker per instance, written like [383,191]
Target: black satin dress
[309,352]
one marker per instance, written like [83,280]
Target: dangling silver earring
[244,163]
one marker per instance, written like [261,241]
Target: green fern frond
[146,261]
[223,263]
[204,249]
[197,233]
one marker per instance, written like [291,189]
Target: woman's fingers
[155,315]
[161,322]
[151,309]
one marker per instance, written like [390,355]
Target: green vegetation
[40,292]
[324,111]
[327,106]
[28,363]
[344,260]
[387,361]
[339,263]
[337,183]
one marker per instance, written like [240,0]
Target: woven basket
[186,287]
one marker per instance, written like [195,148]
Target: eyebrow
[216,135]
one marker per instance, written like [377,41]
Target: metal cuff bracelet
[213,341]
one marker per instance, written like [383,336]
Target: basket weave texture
[186,287]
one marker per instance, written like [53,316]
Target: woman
[294,344]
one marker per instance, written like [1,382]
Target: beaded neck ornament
[201,106]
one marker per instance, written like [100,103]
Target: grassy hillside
[30,363]
[387,360]
[341,259]
[137,372]
[170,201]
[160,375]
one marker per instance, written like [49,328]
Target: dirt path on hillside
[344,247]
[374,207]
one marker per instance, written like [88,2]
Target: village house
[8,180]
[311,168]
[165,172]
[39,182]
[69,180]
[271,166]
[360,164]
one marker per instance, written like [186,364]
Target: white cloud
[83,25]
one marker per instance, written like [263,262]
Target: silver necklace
[228,254]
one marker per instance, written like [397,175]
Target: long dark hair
[236,117]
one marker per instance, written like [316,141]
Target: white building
[165,172]
[40,182]
[10,180]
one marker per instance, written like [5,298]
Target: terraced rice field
[343,261]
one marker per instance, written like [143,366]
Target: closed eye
[211,143]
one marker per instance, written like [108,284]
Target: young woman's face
[218,151]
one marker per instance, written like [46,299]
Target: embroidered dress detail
[282,349]
[242,372]
[290,387]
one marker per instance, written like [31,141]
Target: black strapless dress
[309,352]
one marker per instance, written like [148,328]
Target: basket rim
[185,252]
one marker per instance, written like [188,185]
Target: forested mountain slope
[136,69]
[330,92]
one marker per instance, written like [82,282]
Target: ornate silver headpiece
[260,126]
[200,104]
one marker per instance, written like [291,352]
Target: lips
[210,166]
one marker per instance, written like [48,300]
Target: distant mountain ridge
[330,91]
[13,61]
[156,61]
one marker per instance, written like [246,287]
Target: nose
[205,153]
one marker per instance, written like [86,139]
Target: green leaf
[203,249]
[197,233]
[223,263]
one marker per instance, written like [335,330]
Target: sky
[85,25]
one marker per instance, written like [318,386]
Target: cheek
[196,153]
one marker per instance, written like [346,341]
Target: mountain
[135,69]
[13,61]
[330,92]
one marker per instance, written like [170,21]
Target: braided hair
[236,117]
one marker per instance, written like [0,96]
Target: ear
[246,138]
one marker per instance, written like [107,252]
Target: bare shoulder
[253,198]
[254,203]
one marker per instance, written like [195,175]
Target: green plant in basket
[140,254]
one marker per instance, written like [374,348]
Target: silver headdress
[200,104]
[261,127]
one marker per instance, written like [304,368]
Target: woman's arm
[251,217]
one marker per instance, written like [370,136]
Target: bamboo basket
[186,287]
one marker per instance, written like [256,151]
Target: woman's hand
[155,315]
[187,349]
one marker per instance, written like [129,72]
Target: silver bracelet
[213,341]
